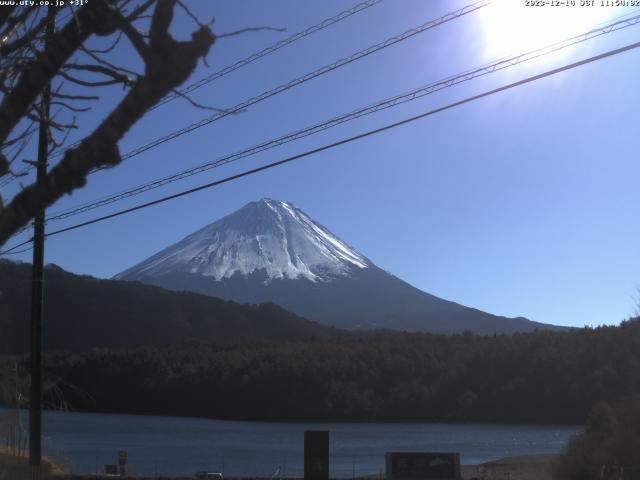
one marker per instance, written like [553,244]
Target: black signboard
[111,470]
[316,455]
[422,466]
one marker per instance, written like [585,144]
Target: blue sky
[522,203]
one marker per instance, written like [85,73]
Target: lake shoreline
[303,421]
[177,446]
[521,467]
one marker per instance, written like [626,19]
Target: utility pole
[37,279]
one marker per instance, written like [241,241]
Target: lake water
[182,446]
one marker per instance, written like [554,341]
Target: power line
[342,142]
[10,178]
[327,22]
[309,76]
[360,136]
[270,49]
[319,127]
[10,251]
[28,249]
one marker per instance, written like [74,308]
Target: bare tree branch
[5,13]
[140,10]
[116,76]
[135,37]
[70,107]
[109,48]
[250,29]
[4,165]
[74,97]
[168,64]
[204,107]
[13,23]
[87,83]
[108,64]
[96,18]
[24,40]
[193,17]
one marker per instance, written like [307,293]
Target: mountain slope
[272,251]
[270,236]
[83,312]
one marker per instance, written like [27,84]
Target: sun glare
[513,26]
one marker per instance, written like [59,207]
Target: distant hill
[84,312]
[271,251]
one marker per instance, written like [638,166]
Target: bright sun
[510,27]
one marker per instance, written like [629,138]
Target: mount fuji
[271,251]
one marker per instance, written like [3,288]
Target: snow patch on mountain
[268,235]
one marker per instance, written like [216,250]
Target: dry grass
[527,467]
[17,468]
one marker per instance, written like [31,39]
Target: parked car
[209,475]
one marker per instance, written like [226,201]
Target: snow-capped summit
[271,251]
[268,235]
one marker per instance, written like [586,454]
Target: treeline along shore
[540,377]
